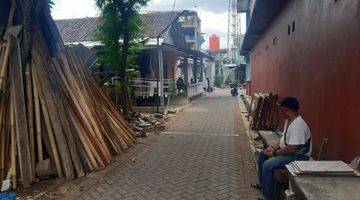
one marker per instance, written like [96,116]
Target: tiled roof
[79,29]
[86,29]
[88,56]
[156,22]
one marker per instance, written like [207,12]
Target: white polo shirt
[298,133]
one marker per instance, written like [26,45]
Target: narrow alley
[203,154]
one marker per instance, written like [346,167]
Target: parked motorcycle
[234,90]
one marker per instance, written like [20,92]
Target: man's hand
[288,150]
[269,152]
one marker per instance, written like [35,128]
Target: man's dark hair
[290,102]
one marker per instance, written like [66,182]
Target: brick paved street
[203,154]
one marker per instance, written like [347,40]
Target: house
[167,50]
[229,65]
[191,25]
[210,70]
[310,50]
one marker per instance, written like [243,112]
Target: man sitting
[295,144]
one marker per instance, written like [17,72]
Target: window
[289,28]
[293,26]
[275,41]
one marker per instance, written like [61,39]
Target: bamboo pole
[30,114]
[4,65]
[39,144]
[11,14]
[2,139]
[2,153]
[4,134]
[13,145]
[3,57]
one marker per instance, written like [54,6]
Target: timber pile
[263,112]
[50,106]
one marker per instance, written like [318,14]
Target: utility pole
[233,29]
[234,20]
[229,30]
[160,77]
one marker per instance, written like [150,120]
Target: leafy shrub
[219,80]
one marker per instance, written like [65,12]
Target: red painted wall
[318,63]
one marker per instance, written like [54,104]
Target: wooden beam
[21,127]
[49,135]
[50,104]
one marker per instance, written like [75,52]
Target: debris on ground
[145,123]
[45,169]
[6,186]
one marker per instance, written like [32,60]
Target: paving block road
[203,154]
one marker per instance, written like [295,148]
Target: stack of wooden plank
[50,106]
[269,138]
[264,112]
[321,168]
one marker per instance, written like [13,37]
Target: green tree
[219,80]
[120,32]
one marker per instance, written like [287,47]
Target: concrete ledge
[196,97]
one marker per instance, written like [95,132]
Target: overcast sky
[213,13]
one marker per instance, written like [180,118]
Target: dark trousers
[266,171]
